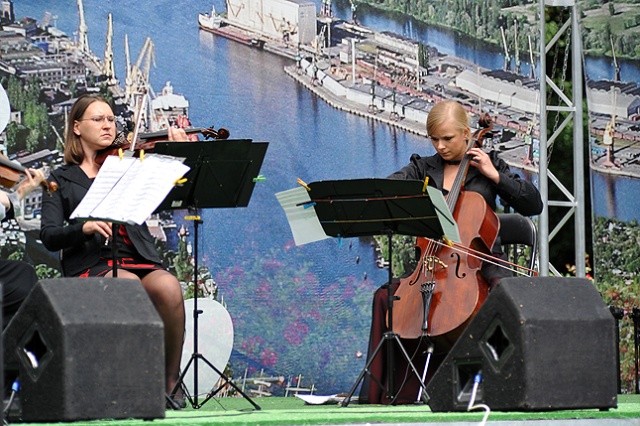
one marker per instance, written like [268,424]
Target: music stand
[367,207]
[223,174]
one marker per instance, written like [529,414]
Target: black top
[10,213]
[518,193]
[57,232]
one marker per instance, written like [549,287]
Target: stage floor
[294,411]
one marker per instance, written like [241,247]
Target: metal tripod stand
[366,207]
[389,339]
[196,355]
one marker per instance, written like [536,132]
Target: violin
[445,291]
[208,133]
[11,173]
[147,141]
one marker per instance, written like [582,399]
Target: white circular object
[5,109]
[215,342]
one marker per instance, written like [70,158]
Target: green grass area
[293,411]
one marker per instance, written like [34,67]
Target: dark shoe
[177,401]
[174,404]
[180,402]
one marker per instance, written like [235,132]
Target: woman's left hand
[34,177]
[482,161]
[177,134]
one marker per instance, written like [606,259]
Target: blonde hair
[445,110]
[73,152]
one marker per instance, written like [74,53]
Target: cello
[444,292]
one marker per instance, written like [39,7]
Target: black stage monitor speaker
[87,348]
[539,344]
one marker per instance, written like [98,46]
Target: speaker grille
[535,341]
[88,348]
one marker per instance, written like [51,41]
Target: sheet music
[448,223]
[324,399]
[304,222]
[128,190]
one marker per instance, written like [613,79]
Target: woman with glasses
[86,251]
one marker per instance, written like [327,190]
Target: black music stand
[367,207]
[223,174]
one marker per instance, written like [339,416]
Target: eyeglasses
[100,118]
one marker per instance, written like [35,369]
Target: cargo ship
[216,24]
[282,27]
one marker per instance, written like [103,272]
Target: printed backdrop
[305,311]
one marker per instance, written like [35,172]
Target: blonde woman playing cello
[487,175]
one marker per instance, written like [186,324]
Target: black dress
[79,252]
[17,278]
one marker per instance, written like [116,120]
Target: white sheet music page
[448,223]
[128,190]
[303,221]
[110,173]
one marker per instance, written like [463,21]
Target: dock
[513,152]
[342,103]
[376,94]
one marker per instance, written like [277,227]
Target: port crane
[325,8]
[354,8]
[532,70]
[517,53]
[137,85]
[616,76]
[128,79]
[609,132]
[532,153]
[108,67]
[142,67]
[83,40]
[507,57]
[610,128]
[284,27]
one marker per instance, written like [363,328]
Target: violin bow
[136,130]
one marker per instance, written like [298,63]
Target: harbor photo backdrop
[301,314]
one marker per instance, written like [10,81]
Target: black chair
[519,239]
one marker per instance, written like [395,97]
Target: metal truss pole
[574,202]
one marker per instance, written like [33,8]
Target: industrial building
[293,21]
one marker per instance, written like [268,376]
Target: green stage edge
[294,411]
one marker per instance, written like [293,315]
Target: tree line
[603,24]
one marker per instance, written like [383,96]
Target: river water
[296,310]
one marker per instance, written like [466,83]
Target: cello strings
[505,264]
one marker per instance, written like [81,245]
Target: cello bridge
[431,261]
